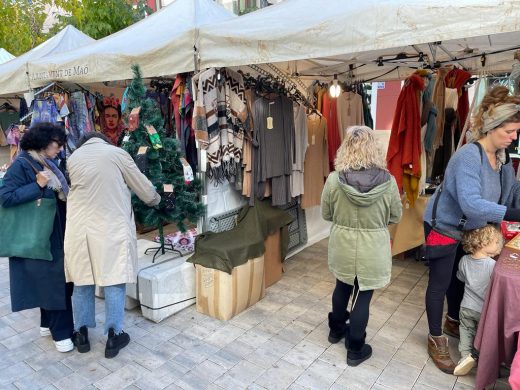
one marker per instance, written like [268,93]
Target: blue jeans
[85,313]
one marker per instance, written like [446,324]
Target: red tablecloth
[500,319]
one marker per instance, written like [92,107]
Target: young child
[475,271]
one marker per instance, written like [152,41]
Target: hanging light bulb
[335,89]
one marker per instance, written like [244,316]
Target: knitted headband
[500,114]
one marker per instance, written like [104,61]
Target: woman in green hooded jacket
[361,199]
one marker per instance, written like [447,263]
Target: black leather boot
[358,352]
[115,343]
[80,339]
[338,328]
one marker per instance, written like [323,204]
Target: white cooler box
[163,288]
[166,288]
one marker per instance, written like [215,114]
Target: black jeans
[60,322]
[360,311]
[443,282]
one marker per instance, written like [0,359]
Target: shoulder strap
[31,164]
[463,219]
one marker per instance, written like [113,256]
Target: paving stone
[398,375]
[244,373]
[14,372]
[280,376]
[357,378]
[225,335]
[320,375]
[435,378]
[225,358]
[72,382]
[303,354]
[121,378]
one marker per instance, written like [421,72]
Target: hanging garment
[439,99]
[79,118]
[219,114]
[7,118]
[248,182]
[316,167]
[350,111]
[300,147]
[330,113]
[44,110]
[275,154]
[456,78]
[367,115]
[450,140]
[404,148]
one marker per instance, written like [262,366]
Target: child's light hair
[474,240]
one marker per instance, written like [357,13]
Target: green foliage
[21,24]
[100,18]
[164,165]
[22,21]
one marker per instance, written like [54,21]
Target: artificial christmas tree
[159,158]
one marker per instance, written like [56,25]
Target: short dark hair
[41,135]
[92,134]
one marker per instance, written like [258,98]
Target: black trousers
[60,322]
[443,282]
[360,310]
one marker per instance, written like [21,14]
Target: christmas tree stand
[163,248]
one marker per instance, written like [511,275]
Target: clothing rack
[280,84]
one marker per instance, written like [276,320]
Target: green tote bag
[25,230]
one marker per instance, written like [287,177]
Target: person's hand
[42,178]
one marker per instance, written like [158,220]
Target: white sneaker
[45,332]
[464,366]
[64,345]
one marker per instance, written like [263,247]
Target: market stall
[272,70]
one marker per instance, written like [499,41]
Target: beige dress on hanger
[316,166]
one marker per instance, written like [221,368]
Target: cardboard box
[222,296]
[273,259]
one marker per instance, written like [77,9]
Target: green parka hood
[364,187]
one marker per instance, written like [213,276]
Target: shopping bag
[25,230]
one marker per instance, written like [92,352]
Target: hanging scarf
[57,181]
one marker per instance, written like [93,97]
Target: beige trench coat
[100,236]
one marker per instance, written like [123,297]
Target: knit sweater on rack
[472,188]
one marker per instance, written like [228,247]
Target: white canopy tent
[325,36]
[5,55]
[162,44]
[13,74]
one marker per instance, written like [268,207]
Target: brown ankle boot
[440,354]
[451,327]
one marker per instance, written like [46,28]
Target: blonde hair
[494,98]
[359,150]
[474,240]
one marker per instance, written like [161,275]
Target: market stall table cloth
[500,319]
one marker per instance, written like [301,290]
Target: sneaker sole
[45,333]
[67,348]
[357,362]
[112,353]
[464,368]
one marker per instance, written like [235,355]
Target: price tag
[126,138]
[188,172]
[270,123]
[142,150]
[168,187]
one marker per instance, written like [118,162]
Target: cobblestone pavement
[280,343]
